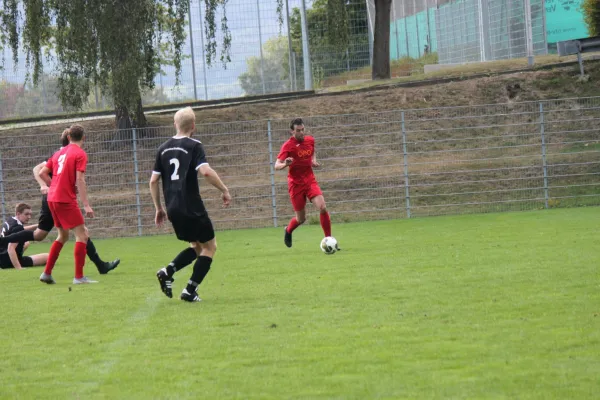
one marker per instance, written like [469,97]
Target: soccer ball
[329,245]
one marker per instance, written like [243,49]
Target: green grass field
[479,306]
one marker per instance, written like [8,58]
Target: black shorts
[192,229]
[45,222]
[5,262]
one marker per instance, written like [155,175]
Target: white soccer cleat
[83,280]
[47,279]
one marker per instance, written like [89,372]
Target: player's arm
[314,161]
[31,227]
[83,195]
[36,174]
[281,164]
[12,254]
[211,176]
[160,216]
[44,175]
[155,190]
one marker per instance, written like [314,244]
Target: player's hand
[315,164]
[289,161]
[160,217]
[89,212]
[44,189]
[226,199]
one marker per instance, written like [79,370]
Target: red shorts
[299,193]
[66,215]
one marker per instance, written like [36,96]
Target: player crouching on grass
[11,254]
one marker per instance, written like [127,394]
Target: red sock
[80,253]
[52,257]
[292,225]
[325,223]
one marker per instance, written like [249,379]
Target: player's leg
[57,245]
[102,266]
[206,247]
[35,260]
[81,239]
[182,260]
[316,197]
[298,199]
[206,252]
[25,236]
[319,203]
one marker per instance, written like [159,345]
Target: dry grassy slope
[534,85]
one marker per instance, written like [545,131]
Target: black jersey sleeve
[199,157]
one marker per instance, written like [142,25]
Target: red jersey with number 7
[63,166]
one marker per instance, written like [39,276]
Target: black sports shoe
[166,282]
[190,297]
[106,267]
[287,239]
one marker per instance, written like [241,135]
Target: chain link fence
[386,165]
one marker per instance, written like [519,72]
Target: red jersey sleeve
[284,152]
[50,163]
[81,162]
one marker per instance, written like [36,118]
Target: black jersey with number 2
[178,161]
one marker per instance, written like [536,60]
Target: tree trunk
[381,40]
[122,120]
[139,120]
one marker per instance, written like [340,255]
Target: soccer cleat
[106,267]
[166,282]
[83,280]
[190,297]
[337,248]
[287,239]
[47,279]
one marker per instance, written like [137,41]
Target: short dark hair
[296,122]
[76,132]
[21,207]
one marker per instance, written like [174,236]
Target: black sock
[201,268]
[92,253]
[19,237]
[183,259]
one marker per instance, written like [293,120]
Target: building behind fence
[385,165]
[269,58]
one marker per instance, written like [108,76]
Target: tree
[108,43]
[276,69]
[591,16]
[381,41]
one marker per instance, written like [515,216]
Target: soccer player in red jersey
[298,153]
[67,167]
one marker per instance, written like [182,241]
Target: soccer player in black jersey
[179,161]
[46,222]
[11,255]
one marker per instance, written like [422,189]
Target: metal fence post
[137,182]
[2,201]
[406,183]
[544,164]
[192,49]
[272,168]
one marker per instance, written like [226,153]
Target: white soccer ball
[329,245]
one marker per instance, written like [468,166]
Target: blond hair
[185,120]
